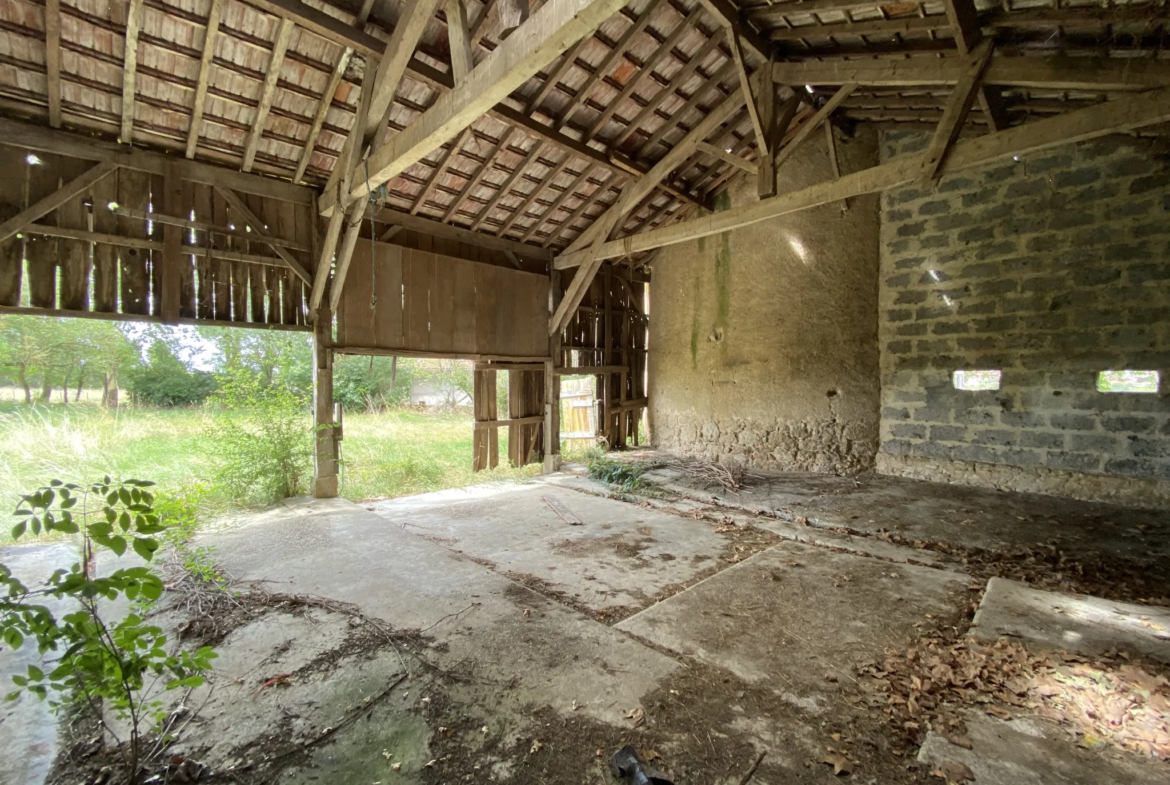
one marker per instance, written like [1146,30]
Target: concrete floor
[544,638]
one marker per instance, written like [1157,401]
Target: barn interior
[875,298]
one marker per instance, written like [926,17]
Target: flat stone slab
[1076,623]
[794,614]
[1034,752]
[619,555]
[547,653]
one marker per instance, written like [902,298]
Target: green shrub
[625,477]
[96,659]
[165,381]
[263,440]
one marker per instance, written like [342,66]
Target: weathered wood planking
[133,278]
[204,292]
[464,296]
[74,254]
[220,270]
[388,330]
[11,202]
[416,280]
[187,293]
[41,252]
[485,444]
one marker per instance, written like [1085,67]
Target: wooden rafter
[440,171]
[912,24]
[209,37]
[749,98]
[488,163]
[692,103]
[54,200]
[327,97]
[727,15]
[606,65]
[726,155]
[558,74]
[821,116]
[536,191]
[267,92]
[551,30]
[557,203]
[458,40]
[955,114]
[130,69]
[647,68]
[412,23]
[506,186]
[675,83]
[611,182]
[479,28]
[964,20]
[53,59]
[1123,115]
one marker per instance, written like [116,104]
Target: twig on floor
[450,616]
[752,771]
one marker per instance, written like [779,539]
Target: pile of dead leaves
[1110,701]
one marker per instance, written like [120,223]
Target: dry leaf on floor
[842,766]
[637,714]
[953,771]
[535,748]
[650,755]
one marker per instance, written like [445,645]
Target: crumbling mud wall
[1049,268]
[763,341]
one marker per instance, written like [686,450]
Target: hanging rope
[371,205]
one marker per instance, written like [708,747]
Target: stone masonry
[1050,268]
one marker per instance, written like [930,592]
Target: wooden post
[486,445]
[552,383]
[325,472]
[172,256]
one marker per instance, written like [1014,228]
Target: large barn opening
[879,490]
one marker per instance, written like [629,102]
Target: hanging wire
[371,206]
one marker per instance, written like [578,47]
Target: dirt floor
[774,633]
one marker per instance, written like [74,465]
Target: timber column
[552,382]
[324,426]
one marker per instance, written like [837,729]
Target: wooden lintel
[594,370]
[418,223]
[377,351]
[135,317]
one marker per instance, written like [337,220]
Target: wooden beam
[635,192]
[1120,116]
[209,36]
[389,234]
[327,97]
[412,23]
[479,28]
[261,233]
[727,15]
[512,14]
[353,231]
[267,92]
[1041,73]
[737,161]
[459,41]
[418,223]
[53,59]
[821,116]
[54,200]
[901,26]
[114,316]
[723,73]
[130,68]
[89,148]
[551,30]
[959,105]
[964,21]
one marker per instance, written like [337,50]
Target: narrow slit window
[1128,381]
[976,380]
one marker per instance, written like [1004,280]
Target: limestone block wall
[1049,268]
[763,343]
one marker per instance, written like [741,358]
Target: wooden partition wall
[422,303]
[149,241]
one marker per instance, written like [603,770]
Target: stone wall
[763,344]
[1051,268]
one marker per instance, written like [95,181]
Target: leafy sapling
[90,655]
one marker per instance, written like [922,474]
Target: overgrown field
[394,453]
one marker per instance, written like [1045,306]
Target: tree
[450,378]
[277,357]
[165,381]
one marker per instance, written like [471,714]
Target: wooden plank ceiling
[275,87]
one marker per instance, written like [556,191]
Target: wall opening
[976,380]
[1128,381]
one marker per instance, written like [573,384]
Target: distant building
[425,394]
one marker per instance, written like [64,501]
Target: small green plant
[626,477]
[263,438]
[89,656]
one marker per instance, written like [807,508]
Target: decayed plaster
[763,341]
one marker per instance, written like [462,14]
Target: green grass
[384,455]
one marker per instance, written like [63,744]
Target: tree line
[52,360]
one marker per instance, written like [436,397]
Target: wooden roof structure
[592,117]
